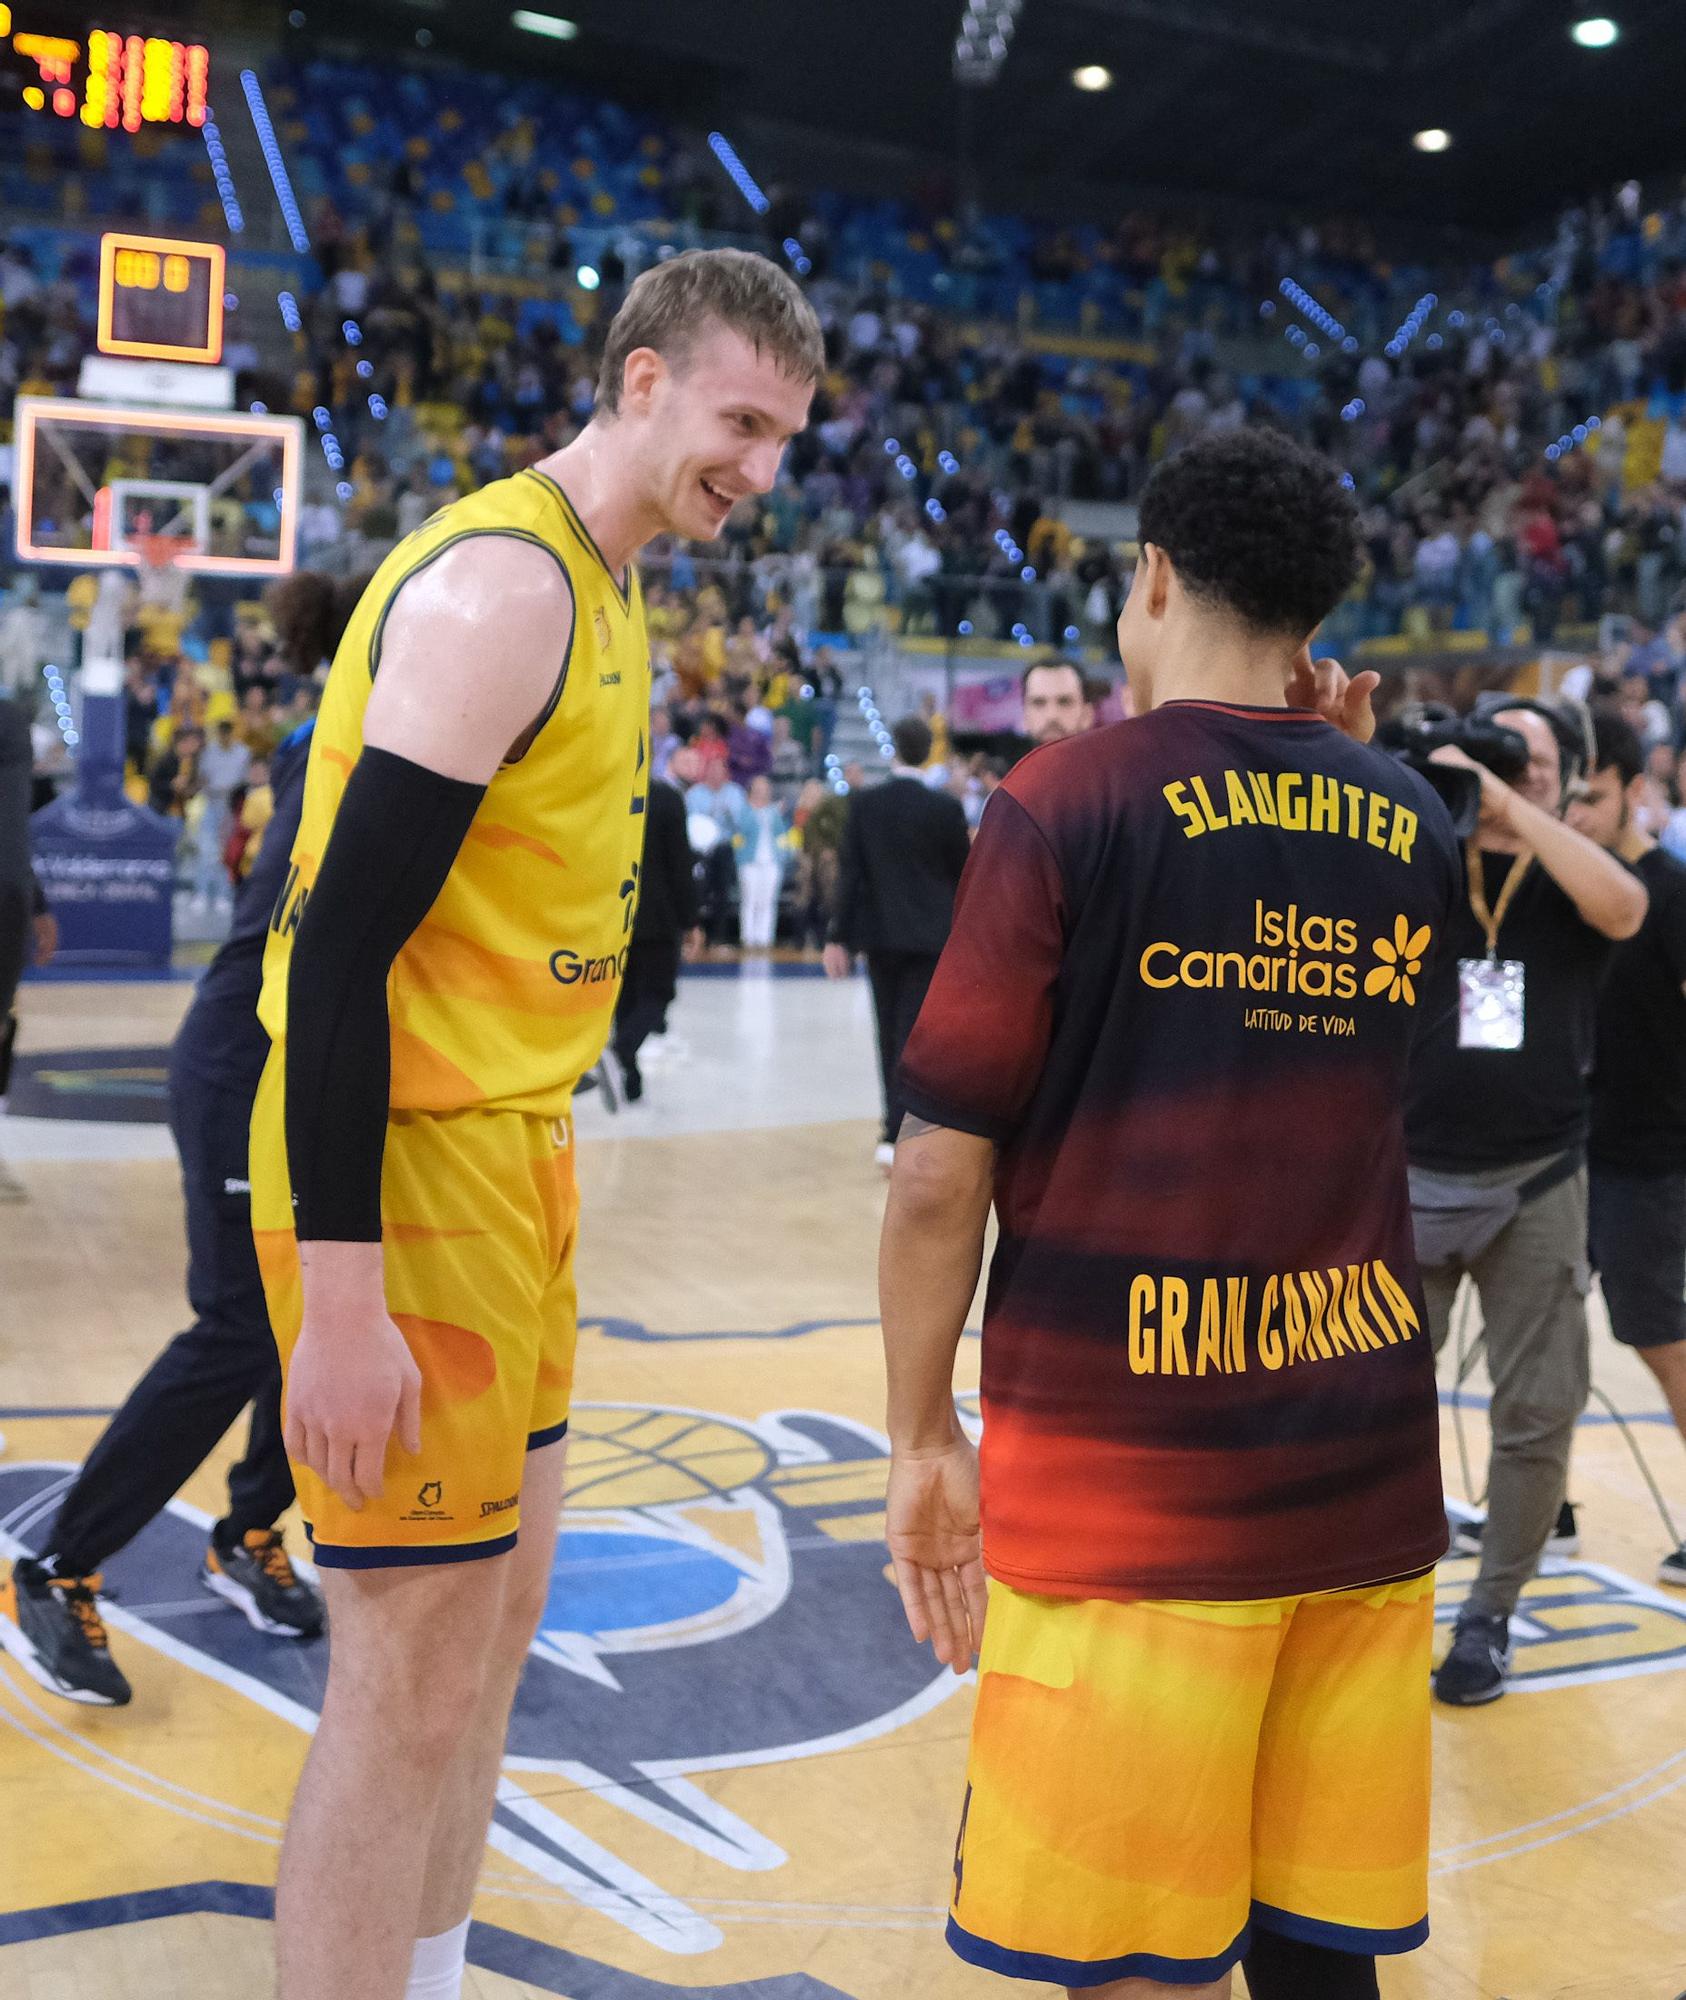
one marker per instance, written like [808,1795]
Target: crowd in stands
[929,490]
[1518,445]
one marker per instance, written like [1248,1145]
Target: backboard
[92,478]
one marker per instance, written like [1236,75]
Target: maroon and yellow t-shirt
[1179,995]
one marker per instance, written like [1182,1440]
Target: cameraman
[1496,1127]
[1638,1142]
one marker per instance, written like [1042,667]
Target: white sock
[436,1965]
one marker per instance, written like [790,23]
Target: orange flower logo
[1401,961]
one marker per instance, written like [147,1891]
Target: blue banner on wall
[107,866]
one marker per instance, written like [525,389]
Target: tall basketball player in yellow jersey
[443,965]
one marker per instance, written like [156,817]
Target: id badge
[1490,1003]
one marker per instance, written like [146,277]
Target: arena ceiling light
[984,36]
[553,26]
[1434,140]
[1092,76]
[1597,33]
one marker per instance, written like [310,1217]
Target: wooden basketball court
[731,1772]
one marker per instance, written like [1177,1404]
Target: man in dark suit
[26,929]
[666,922]
[904,846]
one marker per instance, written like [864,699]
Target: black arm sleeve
[397,832]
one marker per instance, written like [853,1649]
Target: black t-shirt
[1469,1109]
[1178,995]
[1639,1078]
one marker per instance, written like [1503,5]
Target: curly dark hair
[1256,525]
[310,612]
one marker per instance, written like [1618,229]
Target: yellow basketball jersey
[505,994]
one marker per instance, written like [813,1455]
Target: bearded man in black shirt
[1637,1148]
[1496,1127]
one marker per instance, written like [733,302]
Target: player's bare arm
[928,1264]
[469,660]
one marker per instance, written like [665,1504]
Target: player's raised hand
[1323,687]
[936,1545]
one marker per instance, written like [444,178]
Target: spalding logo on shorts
[719,1598]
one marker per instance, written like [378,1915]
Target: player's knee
[523,1609]
[410,1675]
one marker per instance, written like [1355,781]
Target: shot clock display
[161,299]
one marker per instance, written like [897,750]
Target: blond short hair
[670,304]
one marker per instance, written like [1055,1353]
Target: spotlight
[1434,140]
[551,26]
[1092,76]
[588,278]
[1597,33]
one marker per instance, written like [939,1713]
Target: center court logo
[1401,959]
[705,1560]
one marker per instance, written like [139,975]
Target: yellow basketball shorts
[478,1216]
[1150,1781]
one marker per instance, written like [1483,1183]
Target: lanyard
[1490,920]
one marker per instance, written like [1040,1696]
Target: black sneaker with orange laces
[51,1626]
[255,1575]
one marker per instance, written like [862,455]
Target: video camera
[1417,731]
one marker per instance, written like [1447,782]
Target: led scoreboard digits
[161,299]
[108,79]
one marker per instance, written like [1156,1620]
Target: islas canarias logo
[1307,954]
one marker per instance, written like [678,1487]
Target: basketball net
[163,582]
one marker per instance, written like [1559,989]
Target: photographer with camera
[1638,1143]
[1496,1130]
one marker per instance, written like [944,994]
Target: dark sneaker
[257,1578]
[1564,1539]
[1478,1663]
[1672,1569]
[52,1627]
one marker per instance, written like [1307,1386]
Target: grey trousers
[1532,1280]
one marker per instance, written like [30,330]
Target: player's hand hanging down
[353,1382]
[937,1548]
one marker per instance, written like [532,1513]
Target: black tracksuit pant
[176,1413]
[899,980]
[648,987]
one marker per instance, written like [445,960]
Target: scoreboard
[161,298]
[105,78]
